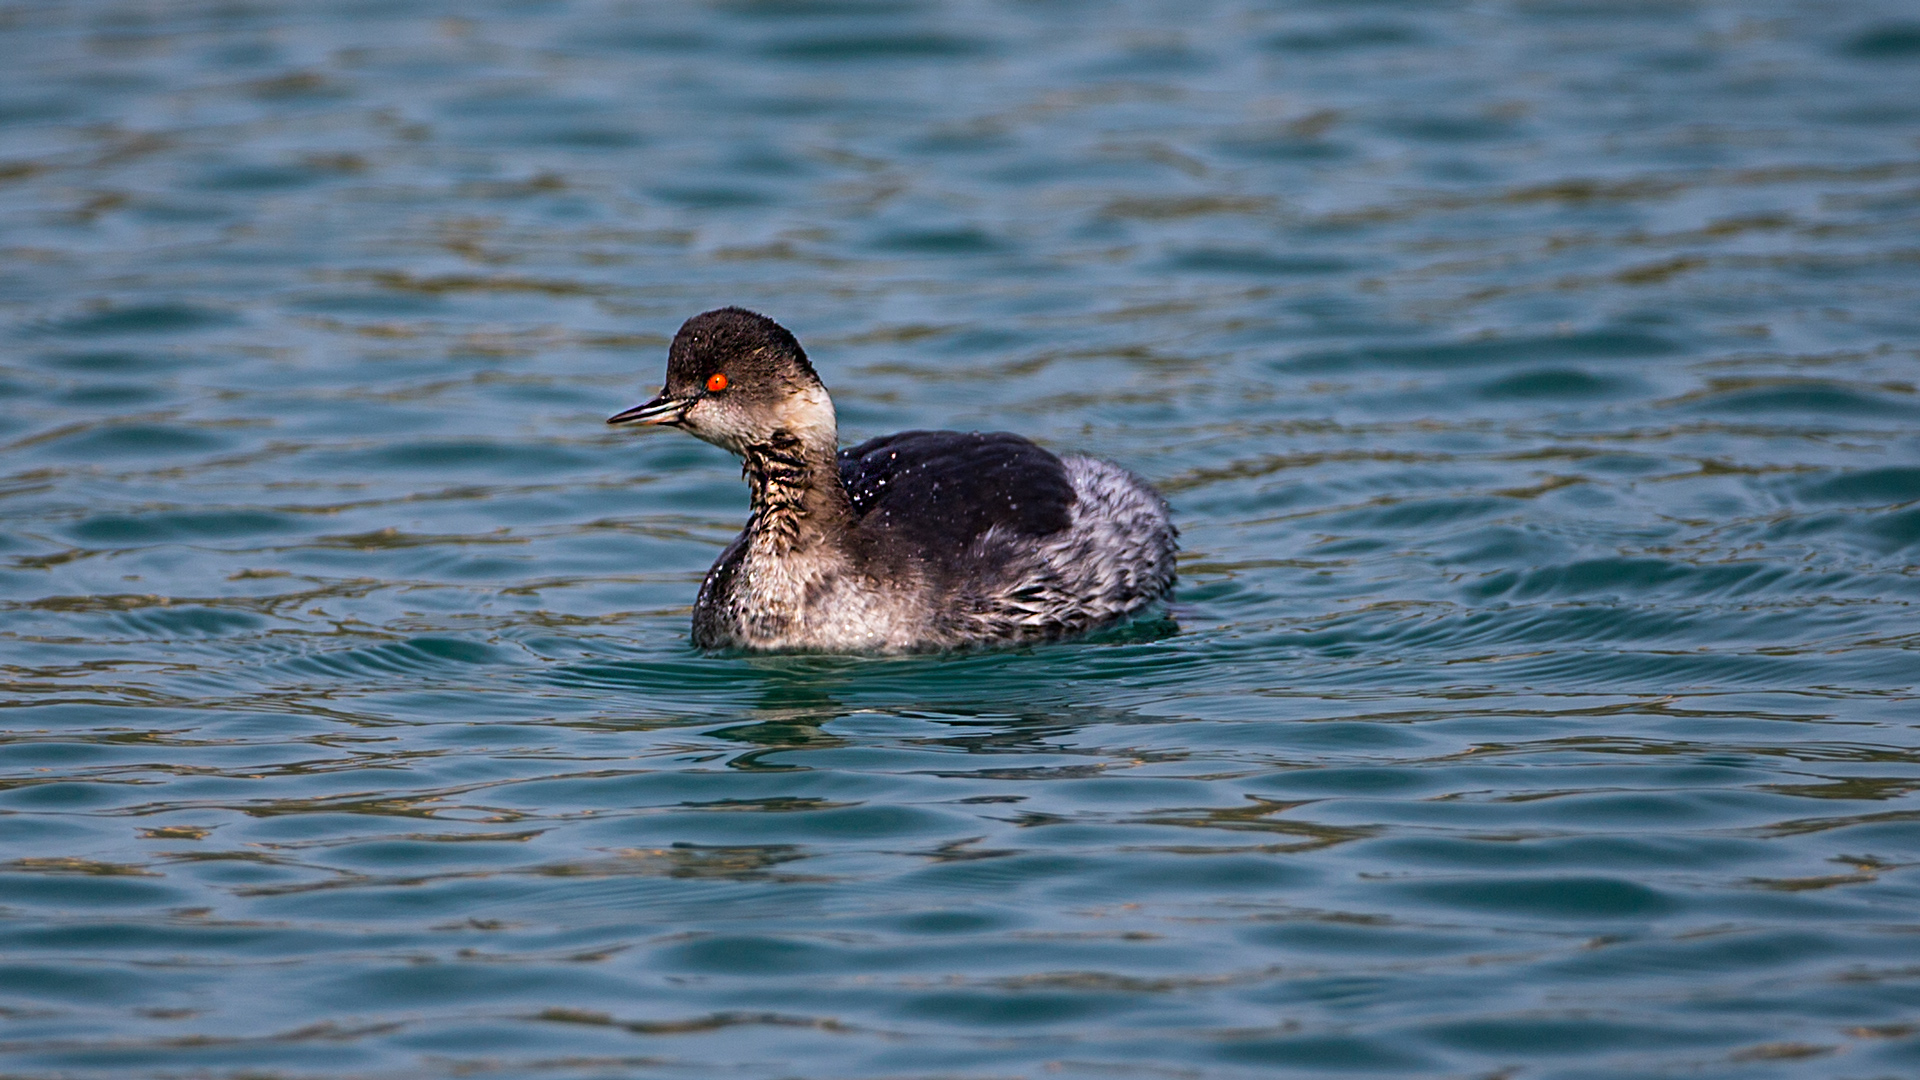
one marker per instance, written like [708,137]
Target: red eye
[716,382]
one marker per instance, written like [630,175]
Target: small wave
[867,48]
[1255,261]
[122,530]
[1552,898]
[1596,344]
[146,318]
[1568,383]
[117,441]
[1814,396]
[1890,41]
[412,656]
[1628,577]
[1359,35]
[1868,487]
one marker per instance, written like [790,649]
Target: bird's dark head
[738,379]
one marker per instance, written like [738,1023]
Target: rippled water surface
[1534,382]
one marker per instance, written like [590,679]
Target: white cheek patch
[709,423]
[806,414]
[809,416]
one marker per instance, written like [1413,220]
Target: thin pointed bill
[661,410]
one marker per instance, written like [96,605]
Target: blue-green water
[1534,380]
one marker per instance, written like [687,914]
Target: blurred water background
[1534,380]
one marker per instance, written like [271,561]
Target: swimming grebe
[918,541]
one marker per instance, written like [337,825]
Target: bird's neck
[797,536]
[793,476]
[797,497]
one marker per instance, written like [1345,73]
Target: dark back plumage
[941,490]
